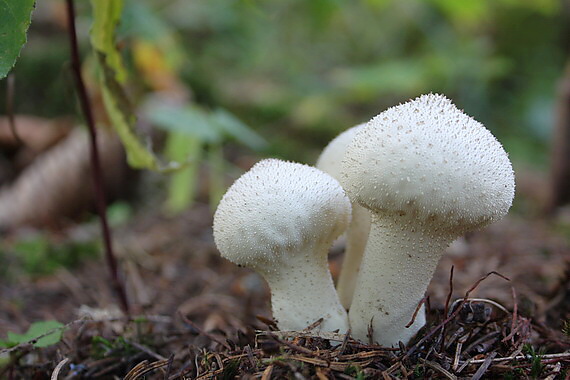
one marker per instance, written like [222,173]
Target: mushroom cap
[276,208]
[331,157]
[429,160]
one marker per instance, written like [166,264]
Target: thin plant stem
[96,169]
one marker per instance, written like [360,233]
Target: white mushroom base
[398,264]
[302,292]
[356,237]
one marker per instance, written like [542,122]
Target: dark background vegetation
[301,72]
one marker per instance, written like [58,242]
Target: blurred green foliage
[118,347]
[295,73]
[38,255]
[304,71]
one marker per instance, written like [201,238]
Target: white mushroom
[428,173]
[280,219]
[357,234]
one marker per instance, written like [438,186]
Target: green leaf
[16,17]
[123,119]
[106,17]
[209,127]
[182,185]
[235,128]
[189,120]
[49,331]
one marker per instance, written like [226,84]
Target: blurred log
[560,166]
[36,134]
[58,184]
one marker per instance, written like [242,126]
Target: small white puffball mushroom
[357,234]
[280,219]
[428,173]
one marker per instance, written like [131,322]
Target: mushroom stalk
[402,248]
[356,237]
[330,162]
[289,282]
[428,173]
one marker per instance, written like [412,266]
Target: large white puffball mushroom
[357,234]
[428,173]
[280,219]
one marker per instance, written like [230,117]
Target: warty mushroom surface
[428,173]
[280,219]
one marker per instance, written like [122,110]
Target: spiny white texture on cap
[426,156]
[278,206]
[428,173]
[357,234]
[280,219]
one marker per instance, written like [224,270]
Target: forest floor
[195,315]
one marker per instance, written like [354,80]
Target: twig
[370,331]
[143,368]
[485,300]
[446,310]
[95,162]
[205,333]
[249,354]
[314,325]
[484,367]
[411,322]
[267,372]
[439,368]
[453,315]
[146,350]
[168,367]
[58,368]
[514,319]
[294,347]
[337,337]
[481,340]
[562,355]
[342,347]
[458,348]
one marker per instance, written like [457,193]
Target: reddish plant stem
[96,170]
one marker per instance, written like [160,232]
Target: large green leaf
[106,16]
[15,18]
[123,119]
